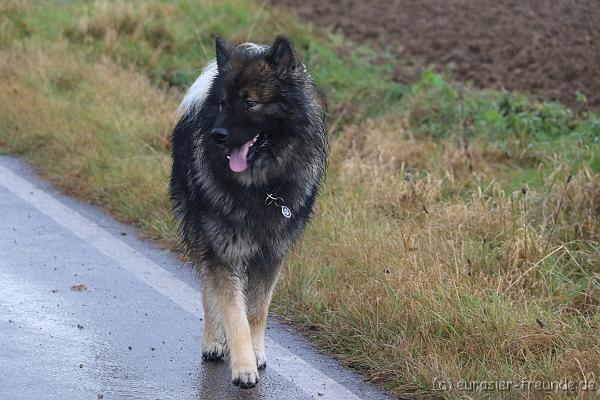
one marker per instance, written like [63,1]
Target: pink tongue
[238,159]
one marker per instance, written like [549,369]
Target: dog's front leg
[229,291]
[258,321]
[260,291]
[214,345]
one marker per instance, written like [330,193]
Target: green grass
[170,42]
[529,132]
[449,241]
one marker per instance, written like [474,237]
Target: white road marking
[285,363]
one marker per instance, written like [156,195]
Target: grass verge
[457,237]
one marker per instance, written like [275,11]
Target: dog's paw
[213,351]
[245,377]
[261,359]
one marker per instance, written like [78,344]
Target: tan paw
[261,359]
[245,377]
[213,351]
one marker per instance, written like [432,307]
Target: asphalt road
[88,311]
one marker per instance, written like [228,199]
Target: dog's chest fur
[239,228]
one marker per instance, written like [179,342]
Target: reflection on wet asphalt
[76,324]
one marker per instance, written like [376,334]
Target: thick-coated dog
[249,154]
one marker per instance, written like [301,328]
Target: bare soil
[542,47]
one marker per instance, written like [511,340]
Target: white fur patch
[253,47]
[196,94]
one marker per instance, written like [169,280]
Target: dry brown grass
[411,275]
[96,130]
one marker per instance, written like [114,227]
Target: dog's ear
[223,51]
[282,55]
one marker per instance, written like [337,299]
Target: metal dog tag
[278,201]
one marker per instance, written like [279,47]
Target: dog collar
[279,202]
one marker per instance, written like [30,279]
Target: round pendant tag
[286,212]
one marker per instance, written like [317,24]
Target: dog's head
[260,105]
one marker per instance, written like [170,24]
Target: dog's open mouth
[240,156]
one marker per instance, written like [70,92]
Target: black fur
[223,219]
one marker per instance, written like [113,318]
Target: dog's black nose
[219,135]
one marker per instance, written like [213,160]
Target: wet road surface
[89,311]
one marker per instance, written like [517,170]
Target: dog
[249,156]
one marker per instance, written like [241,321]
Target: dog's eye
[250,103]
